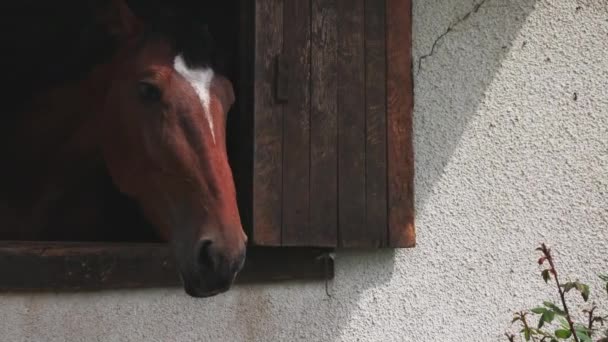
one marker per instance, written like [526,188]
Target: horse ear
[121,21]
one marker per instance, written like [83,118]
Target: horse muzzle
[213,272]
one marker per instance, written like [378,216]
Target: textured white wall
[505,158]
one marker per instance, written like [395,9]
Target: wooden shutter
[332,123]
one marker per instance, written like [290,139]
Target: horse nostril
[204,255]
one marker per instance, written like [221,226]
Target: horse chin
[196,287]
[197,291]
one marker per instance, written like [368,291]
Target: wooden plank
[399,115]
[268,125]
[375,115]
[94,266]
[323,229]
[351,124]
[296,123]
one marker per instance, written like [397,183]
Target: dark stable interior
[49,43]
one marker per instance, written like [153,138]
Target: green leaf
[547,317]
[563,333]
[583,336]
[604,277]
[581,328]
[543,333]
[554,307]
[584,290]
[564,323]
[569,286]
[585,293]
[527,334]
[539,310]
[546,275]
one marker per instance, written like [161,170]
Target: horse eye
[148,92]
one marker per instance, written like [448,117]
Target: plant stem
[526,326]
[590,313]
[547,253]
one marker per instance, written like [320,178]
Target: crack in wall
[449,29]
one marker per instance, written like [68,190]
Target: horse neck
[53,135]
[69,115]
[58,116]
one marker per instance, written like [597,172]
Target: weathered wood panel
[323,230]
[80,266]
[351,124]
[268,125]
[399,115]
[375,115]
[296,123]
[337,168]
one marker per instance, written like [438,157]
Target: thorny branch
[449,29]
[547,256]
[590,318]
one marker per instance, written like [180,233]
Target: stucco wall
[506,157]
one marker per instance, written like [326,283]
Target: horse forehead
[200,79]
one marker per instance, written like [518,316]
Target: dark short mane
[189,33]
[197,46]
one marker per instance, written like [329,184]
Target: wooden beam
[375,125]
[351,124]
[296,124]
[40,266]
[323,230]
[267,125]
[400,104]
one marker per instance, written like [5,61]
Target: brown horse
[154,118]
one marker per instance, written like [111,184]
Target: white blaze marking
[200,79]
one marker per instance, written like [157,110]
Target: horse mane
[191,25]
[194,43]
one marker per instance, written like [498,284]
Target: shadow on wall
[447,99]
[332,305]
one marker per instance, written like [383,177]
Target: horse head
[163,139]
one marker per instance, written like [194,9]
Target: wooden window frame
[75,266]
